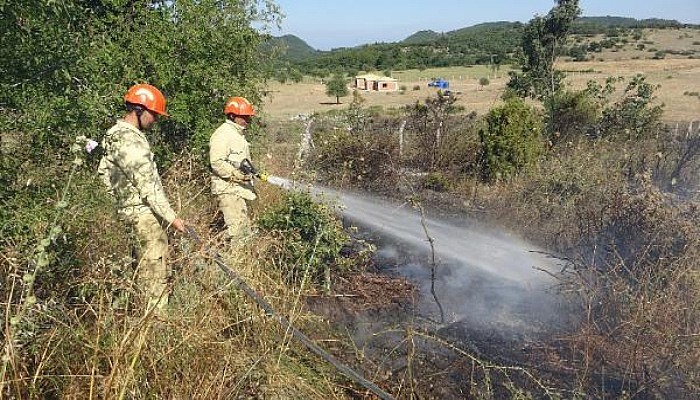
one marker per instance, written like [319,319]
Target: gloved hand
[263,176]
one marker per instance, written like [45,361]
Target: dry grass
[676,76]
[653,40]
[288,100]
[213,342]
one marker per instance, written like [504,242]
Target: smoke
[490,280]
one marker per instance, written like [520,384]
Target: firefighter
[228,149]
[129,171]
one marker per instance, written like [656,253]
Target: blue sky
[325,24]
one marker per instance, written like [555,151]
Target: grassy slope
[675,74]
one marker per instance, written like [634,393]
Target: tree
[541,42]
[483,82]
[337,87]
[65,65]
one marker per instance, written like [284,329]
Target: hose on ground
[296,333]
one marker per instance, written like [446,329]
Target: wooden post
[306,145]
[401,128]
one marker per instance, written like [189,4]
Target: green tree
[337,87]
[541,42]
[65,65]
[634,115]
[483,81]
[511,140]
[295,75]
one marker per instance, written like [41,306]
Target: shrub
[311,236]
[511,140]
[355,158]
[430,125]
[416,87]
[570,114]
[639,290]
[634,115]
[437,182]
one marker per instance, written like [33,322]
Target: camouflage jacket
[130,173]
[227,148]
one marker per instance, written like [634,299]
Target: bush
[437,182]
[311,236]
[431,131]
[359,158]
[416,87]
[511,140]
[570,115]
[639,290]
[633,272]
[634,115]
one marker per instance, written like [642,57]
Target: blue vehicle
[439,83]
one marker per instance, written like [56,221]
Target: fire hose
[296,333]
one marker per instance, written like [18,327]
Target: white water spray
[485,278]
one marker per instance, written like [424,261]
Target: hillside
[625,22]
[422,37]
[295,47]
[486,43]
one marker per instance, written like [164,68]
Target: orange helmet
[239,106]
[148,97]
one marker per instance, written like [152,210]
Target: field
[678,77]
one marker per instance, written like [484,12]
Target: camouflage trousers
[151,248]
[235,210]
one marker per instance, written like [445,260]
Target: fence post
[403,125]
[306,145]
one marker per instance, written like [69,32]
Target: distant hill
[624,22]
[593,25]
[421,37]
[486,27]
[486,43]
[296,48]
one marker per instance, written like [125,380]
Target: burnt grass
[413,356]
[381,332]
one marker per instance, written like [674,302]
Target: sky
[327,24]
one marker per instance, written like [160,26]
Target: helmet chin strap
[139,112]
[138,109]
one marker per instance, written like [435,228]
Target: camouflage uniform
[227,148]
[128,170]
